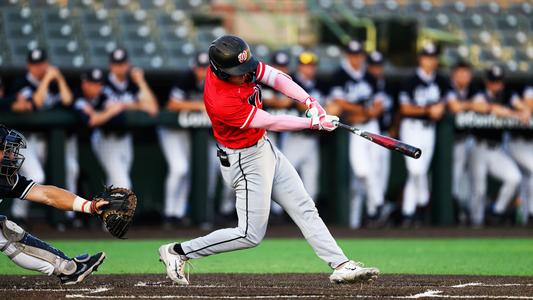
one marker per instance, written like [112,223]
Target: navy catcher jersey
[19,190]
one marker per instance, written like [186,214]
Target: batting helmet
[11,141]
[230,55]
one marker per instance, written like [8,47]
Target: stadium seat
[44,3]
[139,17]
[152,4]
[57,16]
[188,4]
[524,8]
[10,3]
[83,4]
[174,33]
[98,17]
[175,17]
[59,33]
[117,4]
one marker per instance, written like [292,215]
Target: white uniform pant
[522,152]
[492,160]
[462,176]
[24,260]
[33,167]
[176,146]
[256,174]
[422,135]
[115,154]
[227,200]
[365,163]
[302,151]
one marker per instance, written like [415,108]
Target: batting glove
[326,122]
[314,109]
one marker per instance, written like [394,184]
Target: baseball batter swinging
[254,167]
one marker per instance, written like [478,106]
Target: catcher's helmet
[11,141]
[231,55]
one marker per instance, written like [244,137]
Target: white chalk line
[87,290]
[438,294]
[490,285]
[168,284]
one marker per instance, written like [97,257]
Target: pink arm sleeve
[263,119]
[281,82]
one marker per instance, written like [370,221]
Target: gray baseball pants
[257,174]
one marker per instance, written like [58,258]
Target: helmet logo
[243,56]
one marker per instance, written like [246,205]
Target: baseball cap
[118,56]
[307,58]
[36,56]
[354,47]
[495,73]
[375,58]
[280,58]
[201,59]
[93,75]
[428,49]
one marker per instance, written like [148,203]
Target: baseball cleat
[352,272]
[174,264]
[85,265]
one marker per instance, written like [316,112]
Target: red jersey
[231,108]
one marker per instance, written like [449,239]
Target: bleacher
[161,34]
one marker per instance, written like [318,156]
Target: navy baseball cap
[429,49]
[37,55]
[93,75]
[375,58]
[280,58]
[495,73]
[201,59]
[118,56]
[354,47]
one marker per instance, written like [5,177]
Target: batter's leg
[290,193]
[251,174]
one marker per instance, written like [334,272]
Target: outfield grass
[475,256]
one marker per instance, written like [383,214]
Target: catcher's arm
[62,199]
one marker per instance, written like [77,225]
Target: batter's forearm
[263,119]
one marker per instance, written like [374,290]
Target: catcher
[114,206]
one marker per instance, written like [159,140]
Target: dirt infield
[280,286]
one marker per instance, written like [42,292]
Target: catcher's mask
[11,141]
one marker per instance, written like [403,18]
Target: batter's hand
[314,109]
[326,122]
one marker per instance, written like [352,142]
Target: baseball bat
[385,141]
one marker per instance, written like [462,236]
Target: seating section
[161,34]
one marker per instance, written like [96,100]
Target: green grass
[476,256]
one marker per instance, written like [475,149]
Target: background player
[114,148]
[254,167]
[459,99]
[307,164]
[355,91]
[421,105]
[186,95]
[21,247]
[42,88]
[388,126]
[521,144]
[490,157]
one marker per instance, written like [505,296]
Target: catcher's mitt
[118,213]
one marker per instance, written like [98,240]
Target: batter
[254,167]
